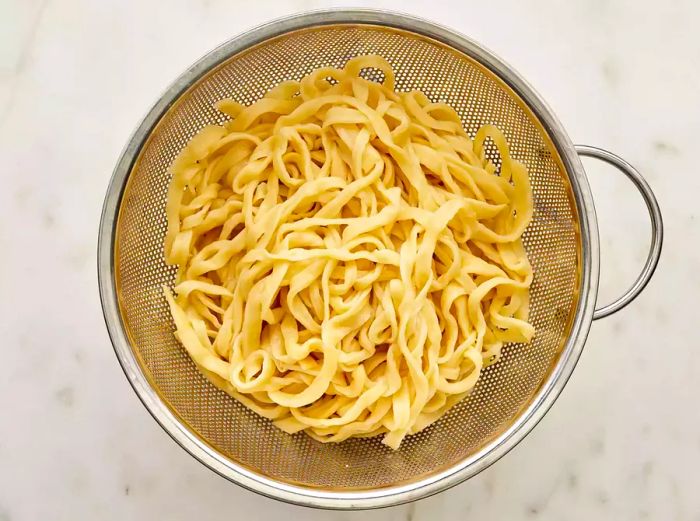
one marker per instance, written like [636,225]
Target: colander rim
[391,495]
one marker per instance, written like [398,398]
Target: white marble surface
[622,442]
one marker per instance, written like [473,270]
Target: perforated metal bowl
[511,396]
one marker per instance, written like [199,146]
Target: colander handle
[657,227]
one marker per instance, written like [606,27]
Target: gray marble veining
[622,442]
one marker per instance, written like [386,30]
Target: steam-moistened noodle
[349,260]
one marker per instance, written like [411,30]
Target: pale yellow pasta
[349,259]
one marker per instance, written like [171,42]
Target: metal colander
[510,397]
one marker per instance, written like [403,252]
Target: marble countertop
[621,443]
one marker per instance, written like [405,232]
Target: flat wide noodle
[349,260]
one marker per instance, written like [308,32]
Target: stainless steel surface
[511,397]
[657,227]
